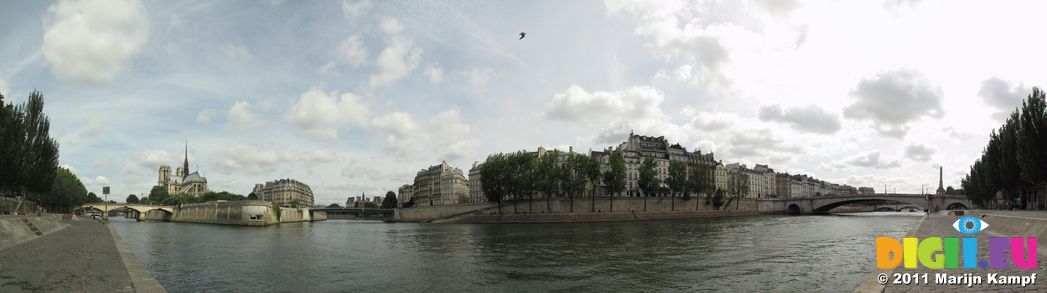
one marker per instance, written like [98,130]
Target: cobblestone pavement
[80,258]
[941,226]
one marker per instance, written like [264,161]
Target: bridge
[822,205]
[356,213]
[138,208]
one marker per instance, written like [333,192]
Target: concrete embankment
[1001,224]
[15,230]
[578,210]
[85,256]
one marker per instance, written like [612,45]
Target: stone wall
[429,213]
[242,212]
[633,208]
[16,230]
[156,215]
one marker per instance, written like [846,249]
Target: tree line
[29,156]
[523,175]
[1014,161]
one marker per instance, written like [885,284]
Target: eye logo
[970,225]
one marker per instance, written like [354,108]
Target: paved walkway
[80,258]
[941,226]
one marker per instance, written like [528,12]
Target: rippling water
[800,253]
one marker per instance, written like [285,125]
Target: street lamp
[105,214]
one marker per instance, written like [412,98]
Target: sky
[354,97]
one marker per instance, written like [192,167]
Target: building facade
[476,191]
[286,192]
[637,148]
[182,182]
[440,185]
[404,194]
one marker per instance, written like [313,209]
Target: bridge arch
[793,209]
[825,208]
[956,206]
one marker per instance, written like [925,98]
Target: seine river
[798,253]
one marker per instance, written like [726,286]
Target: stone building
[476,191]
[182,182]
[286,192]
[440,185]
[404,194]
[636,148]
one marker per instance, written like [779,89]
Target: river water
[763,253]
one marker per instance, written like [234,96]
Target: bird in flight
[522,35]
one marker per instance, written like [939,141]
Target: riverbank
[74,255]
[1001,224]
[563,210]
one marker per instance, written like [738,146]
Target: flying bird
[522,35]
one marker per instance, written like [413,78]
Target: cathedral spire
[941,188]
[185,163]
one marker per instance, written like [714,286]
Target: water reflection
[748,254]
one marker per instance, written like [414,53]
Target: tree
[548,176]
[132,199]
[28,154]
[252,196]
[493,178]
[701,181]
[66,191]
[332,206]
[92,198]
[1032,139]
[389,201]
[159,195]
[647,182]
[677,180]
[590,170]
[614,178]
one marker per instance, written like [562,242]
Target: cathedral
[183,182]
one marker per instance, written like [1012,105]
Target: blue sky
[356,96]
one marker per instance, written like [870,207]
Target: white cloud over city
[356,96]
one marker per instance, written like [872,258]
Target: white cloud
[153,158]
[808,118]
[713,121]
[445,129]
[391,26]
[240,116]
[3,87]
[1003,95]
[576,104]
[205,116]
[321,114]
[352,51]
[394,62]
[92,41]
[101,181]
[354,8]
[919,152]
[893,99]
[261,158]
[869,160]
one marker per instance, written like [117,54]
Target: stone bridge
[822,205]
[140,208]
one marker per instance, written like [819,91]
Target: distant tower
[941,189]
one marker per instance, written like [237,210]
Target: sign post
[105,214]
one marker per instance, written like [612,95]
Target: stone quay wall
[16,230]
[243,212]
[563,210]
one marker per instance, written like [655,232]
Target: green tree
[252,196]
[389,201]
[333,206]
[677,180]
[701,181]
[493,178]
[1032,139]
[648,181]
[158,195]
[590,176]
[614,178]
[548,176]
[131,199]
[66,192]
[93,198]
